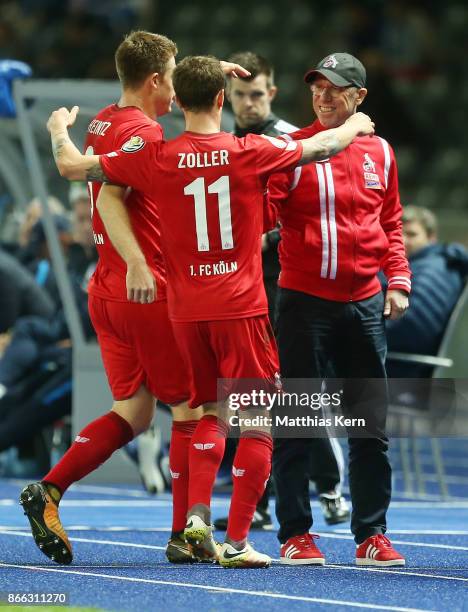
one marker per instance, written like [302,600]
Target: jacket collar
[260,128]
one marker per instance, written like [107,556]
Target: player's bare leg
[251,470]
[93,445]
[206,453]
[138,410]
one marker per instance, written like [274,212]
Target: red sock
[182,432]
[91,447]
[206,453]
[250,469]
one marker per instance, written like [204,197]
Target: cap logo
[330,62]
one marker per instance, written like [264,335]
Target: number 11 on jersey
[197,189]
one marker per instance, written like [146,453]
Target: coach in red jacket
[341,224]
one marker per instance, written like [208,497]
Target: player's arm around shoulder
[70,162]
[330,142]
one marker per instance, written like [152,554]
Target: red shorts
[228,349]
[138,347]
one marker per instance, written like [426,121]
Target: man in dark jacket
[439,273]
[251,100]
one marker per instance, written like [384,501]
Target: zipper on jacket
[352,221]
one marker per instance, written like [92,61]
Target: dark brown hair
[255,64]
[141,54]
[197,81]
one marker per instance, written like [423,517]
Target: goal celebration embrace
[179,303]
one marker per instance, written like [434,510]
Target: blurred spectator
[82,254]
[35,339]
[36,373]
[439,275]
[36,368]
[38,258]
[32,339]
[22,223]
[251,99]
[20,295]
[33,214]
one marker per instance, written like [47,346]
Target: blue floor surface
[119,536]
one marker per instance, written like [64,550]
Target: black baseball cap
[341,69]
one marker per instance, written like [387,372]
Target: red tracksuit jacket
[341,222]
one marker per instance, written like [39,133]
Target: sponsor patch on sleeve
[134,144]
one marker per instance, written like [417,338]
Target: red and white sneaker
[301,550]
[378,551]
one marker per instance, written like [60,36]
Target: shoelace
[308,539]
[381,540]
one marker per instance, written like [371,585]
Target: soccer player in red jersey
[209,187]
[128,307]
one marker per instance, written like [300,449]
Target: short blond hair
[141,54]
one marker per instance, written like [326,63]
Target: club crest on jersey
[371,178]
[330,62]
[134,144]
[369,163]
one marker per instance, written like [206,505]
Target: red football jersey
[209,190]
[109,130]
